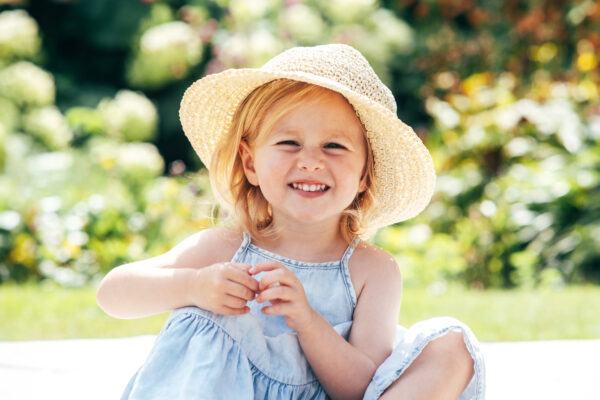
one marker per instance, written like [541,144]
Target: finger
[234,311]
[280,308]
[243,278]
[234,302]
[241,291]
[240,266]
[283,276]
[265,266]
[276,293]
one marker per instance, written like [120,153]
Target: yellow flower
[24,250]
[476,81]
[543,53]
[587,62]
[72,249]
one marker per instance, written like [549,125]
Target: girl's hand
[223,288]
[284,290]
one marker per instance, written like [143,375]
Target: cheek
[352,176]
[354,168]
[270,169]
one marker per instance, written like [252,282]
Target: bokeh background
[95,170]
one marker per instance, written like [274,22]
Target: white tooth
[321,187]
[313,188]
[295,185]
[305,187]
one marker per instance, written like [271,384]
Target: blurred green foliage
[505,95]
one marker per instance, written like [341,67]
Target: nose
[310,160]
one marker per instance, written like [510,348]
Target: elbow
[105,297]
[359,385]
[102,299]
[369,372]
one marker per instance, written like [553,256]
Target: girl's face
[310,165]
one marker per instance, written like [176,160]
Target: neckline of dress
[288,260]
[347,253]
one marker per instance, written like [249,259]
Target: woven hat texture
[403,167]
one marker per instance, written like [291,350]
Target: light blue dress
[201,355]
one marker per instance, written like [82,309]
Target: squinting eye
[334,146]
[288,143]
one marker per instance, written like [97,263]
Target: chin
[312,218]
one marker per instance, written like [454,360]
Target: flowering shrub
[76,217]
[27,85]
[516,201]
[19,36]
[167,52]
[504,94]
[130,116]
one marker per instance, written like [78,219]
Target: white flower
[396,34]
[303,23]
[167,53]
[347,11]
[519,146]
[18,35]
[139,161]
[488,208]
[249,10]
[248,50]
[506,118]
[27,84]
[9,220]
[443,112]
[130,116]
[170,34]
[556,116]
[9,115]
[594,127]
[50,162]
[49,126]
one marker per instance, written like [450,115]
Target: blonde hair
[246,205]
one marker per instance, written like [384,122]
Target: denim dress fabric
[202,355]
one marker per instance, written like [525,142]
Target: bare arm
[144,288]
[345,369]
[195,272]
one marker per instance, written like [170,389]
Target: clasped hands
[225,288]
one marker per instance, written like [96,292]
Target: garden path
[100,368]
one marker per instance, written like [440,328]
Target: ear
[362,185]
[248,162]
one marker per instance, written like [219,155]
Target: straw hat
[403,168]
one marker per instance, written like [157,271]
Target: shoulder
[373,267]
[206,247]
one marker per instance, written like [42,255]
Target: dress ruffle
[410,343]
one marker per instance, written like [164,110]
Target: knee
[450,350]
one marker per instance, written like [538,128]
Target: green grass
[508,315]
[35,312]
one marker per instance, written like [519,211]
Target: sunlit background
[95,170]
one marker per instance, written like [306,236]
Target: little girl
[307,155]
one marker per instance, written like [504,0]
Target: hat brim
[403,168]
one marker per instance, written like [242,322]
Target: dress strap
[346,272]
[350,250]
[239,254]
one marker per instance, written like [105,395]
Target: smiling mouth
[309,188]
